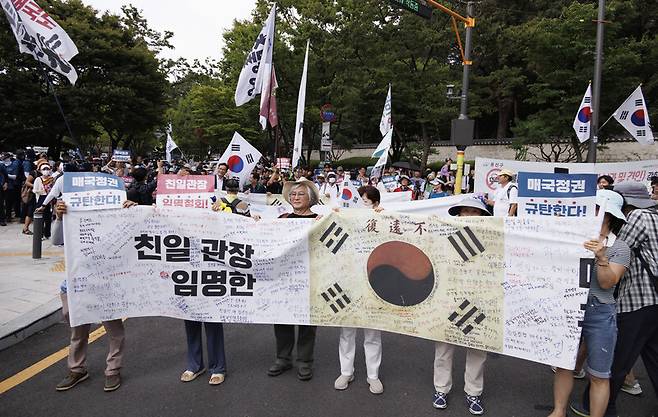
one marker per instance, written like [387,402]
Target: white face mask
[46,172]
[7,162]
[332,180]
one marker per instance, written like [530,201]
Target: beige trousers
[473,376]
[77,360]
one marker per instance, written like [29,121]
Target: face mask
[7,162]
[45,172]
[332,180]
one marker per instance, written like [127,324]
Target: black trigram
[465,316]
[466,243]
[249,158]
[624,115]
[639,102]
[336,298]
[585,272]
[337,237]
[583,129]
[276,202]
[588,100]
[641,133]
[235,147]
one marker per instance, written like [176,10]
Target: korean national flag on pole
[39,35]
[634,116]
[349,195]
[241,159]
[583,121]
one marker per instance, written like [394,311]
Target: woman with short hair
[372,339]
[301,195]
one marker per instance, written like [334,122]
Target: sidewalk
[29,288]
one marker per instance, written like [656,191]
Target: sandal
[27,232]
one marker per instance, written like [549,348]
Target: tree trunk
[505,109]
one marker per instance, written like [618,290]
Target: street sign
[415,6]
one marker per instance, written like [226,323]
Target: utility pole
[463,110]
[596,92]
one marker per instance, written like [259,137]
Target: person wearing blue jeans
[215,346]
[600,322]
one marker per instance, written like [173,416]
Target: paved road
[155,352]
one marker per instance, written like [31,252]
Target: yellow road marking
[7,254]
[58,267]
[44,364]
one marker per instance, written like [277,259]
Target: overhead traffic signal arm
[469,22]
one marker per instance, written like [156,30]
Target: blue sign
[93,191]
[75,182]
[547,185]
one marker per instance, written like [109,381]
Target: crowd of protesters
[620,315]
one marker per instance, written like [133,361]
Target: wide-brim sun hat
[469,202]
[612,201]
[636,194]
[507,172]
[288,185]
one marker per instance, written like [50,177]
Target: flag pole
[606,122]
[50,86]
[596,92]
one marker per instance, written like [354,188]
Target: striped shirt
[636,288]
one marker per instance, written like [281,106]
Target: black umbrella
[406,165]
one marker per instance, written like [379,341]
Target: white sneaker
[343,381]
[634,389]
[376,386]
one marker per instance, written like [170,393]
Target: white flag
[299,121]
[171,145]
[582,123]
[634,116]
[254,75]
[39,35]
[382,150]
[387,122]
[349,195]
[241,159]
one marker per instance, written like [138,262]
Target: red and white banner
[192,191]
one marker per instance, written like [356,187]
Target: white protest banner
[39,35]
[493,284]
[120,155]
[567,195]
[84,191]
[486,170]
[191,191]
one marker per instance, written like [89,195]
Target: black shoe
[304,373]
[112,382]
[71,380]
[3,223]
[278,368]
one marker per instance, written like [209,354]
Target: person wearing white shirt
[330,188]
[505,197]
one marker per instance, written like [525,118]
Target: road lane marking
[43,364]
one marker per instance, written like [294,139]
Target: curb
[30,323]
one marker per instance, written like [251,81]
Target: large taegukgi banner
[513,286]
[486,170]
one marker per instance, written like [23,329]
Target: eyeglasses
[45,169]
[297,194]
